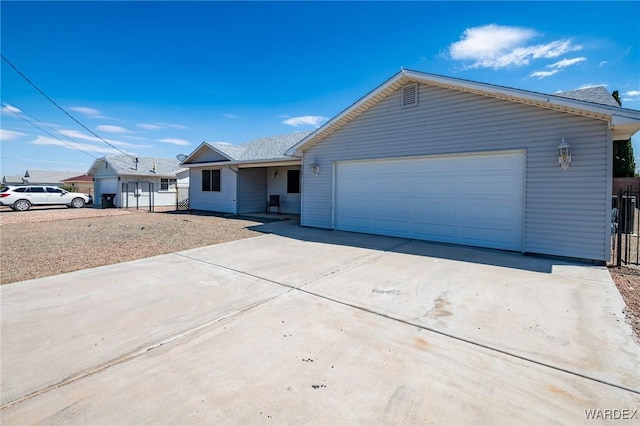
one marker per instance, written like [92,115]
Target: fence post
[618,230]
[152,200]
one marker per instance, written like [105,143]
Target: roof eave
[205,145]
[266,162]
[624,127]
[558,103]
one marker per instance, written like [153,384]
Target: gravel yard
[50,241]
[627,280]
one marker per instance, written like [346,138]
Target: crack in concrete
[140,351]
[176,337]
[478,344]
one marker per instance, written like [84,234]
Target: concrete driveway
[320,327]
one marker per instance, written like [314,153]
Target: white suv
[21,198]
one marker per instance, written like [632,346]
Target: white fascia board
[626,119]
[245,164]
[624,124]
[541,99]
[296,151]
[201,146]
[601,112]
[208,164]
[94,165]
[270,163]
[195,151]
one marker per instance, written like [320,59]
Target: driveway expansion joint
[139,352]
[477,344]
[378,253]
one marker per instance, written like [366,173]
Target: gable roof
[597,95]
[624,122]
[267,149]
[147,166]
[36,177]
[81,178]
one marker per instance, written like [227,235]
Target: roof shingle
[147,166]
[268,148]
[597,95]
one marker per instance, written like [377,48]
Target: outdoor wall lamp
[315,168]
[275,175]
[564,155]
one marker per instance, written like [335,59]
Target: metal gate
[625,224]
[138,195]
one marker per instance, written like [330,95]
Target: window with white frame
[167,184]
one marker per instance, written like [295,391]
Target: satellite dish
[181,157]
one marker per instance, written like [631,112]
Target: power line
[6,103]
[60,108]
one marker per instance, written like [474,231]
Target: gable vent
[410,95]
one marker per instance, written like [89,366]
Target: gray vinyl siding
[289,203]
[223,201]
[566,211]
[252,189]
[207,156]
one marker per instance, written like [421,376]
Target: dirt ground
[51,241]
[627,280]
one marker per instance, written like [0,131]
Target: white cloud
[89,112]
[176,126]
[567,62]
[105,149]
[603,63]
[174,141]
[10,109]
[230,116]
[558,66]
[111,129]
[305,120]
[148,126]
[632,93]
[590,85]
[75,134]
[543,74]
[7,135]
[495,46]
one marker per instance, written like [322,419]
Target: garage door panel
[472,199]
[391,226]
[355,208]
[440,209]
[385,209]
[434,231]
[356,223]
[424,186]
[499,211]
[490,186]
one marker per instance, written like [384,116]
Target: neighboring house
[82,183]
[39,177]
[442,159]
[240,178]
[136,182]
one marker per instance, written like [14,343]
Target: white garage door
[464,199]
[109,186]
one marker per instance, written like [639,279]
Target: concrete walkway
[305,326]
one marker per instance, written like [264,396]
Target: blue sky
[158,78]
